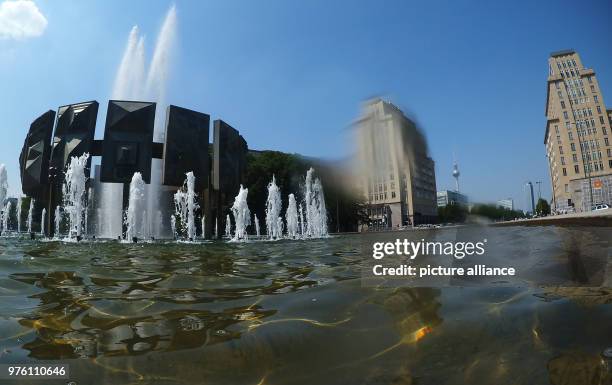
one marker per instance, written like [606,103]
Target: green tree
[495,212]
[542,208]
[345,208]
[452,213]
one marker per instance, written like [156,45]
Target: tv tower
[456,176]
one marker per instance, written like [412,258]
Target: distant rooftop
[562,52]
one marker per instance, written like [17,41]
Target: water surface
[289,312]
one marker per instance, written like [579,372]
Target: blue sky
[291,75]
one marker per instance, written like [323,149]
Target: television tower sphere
[456,171]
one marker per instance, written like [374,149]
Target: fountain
[30,215]
[316,213]
[134,224]
[3,184]
[191,206]
[159,223]
[19,204]
[3,191]
[216,228]
[180,210]
[242,215]
[132,82]
[58,221]
[292,218]
[321,211]
[280,225]
[74,194]
[301,221]
[273,211]
[5,217]
[203,226]
[228,226]
[185,206]
[42,221]
[145,225]
[257,226]
[173,226]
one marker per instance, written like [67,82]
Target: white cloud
[21,19]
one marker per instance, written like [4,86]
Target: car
[601,206]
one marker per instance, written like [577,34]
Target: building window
[574,158]
[598,109]
[570,135]
[560,149]
[572,145]
[392,194]
[576,169]
[610,163]
[606,141]
[565,114]
[568,125]
[564,172]
[566,188]
[589,79]
[562,104]
[595,98]
[563,160]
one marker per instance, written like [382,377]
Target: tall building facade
[577,136]
[393,169]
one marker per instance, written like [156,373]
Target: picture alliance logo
[412,249]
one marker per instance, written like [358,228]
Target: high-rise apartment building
[577,137]
[393,169]
[448,197]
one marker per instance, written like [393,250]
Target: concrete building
[393,169]
[446,197]
[577,136]
[507,203]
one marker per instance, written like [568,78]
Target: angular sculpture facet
[128,138]
[34,158]
[74,135]
[186,147]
